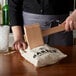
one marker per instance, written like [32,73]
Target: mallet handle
[53,30]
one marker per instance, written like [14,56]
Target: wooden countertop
[15,65]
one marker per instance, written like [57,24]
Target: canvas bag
[43,55]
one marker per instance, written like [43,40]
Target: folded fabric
[43,55]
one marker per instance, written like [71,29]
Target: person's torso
[48,6]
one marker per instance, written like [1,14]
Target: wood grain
[15,65]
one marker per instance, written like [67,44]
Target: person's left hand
[19,44]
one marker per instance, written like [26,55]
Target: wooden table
[15,65]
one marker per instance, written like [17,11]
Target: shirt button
[41,10]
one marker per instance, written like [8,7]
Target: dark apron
[49,21]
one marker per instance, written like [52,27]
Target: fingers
[19,45]
[14,47]
[22,45]
[69,26]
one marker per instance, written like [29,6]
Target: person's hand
[20,44]
[19,41]
[70,22]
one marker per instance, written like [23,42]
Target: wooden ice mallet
[34,35]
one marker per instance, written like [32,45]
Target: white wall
[0,1]
[0,13]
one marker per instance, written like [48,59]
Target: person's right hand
[20,44]
[70,22]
